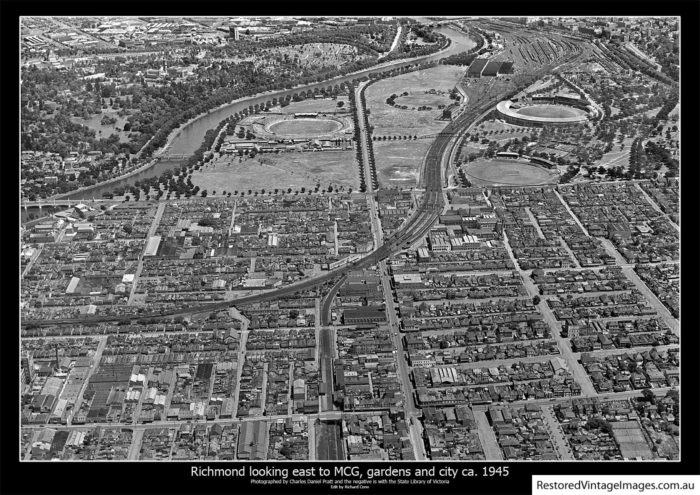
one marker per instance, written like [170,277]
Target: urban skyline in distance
[349,238]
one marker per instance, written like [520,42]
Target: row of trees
[666,52]
[370,147]
[392,138]
[462,177]
[629,61]
[356,136]
[667,107]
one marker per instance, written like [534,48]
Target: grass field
[321,106]
[269,172]
[399,162]
[467,149]
[617,157]
[550,111]
[391,121]
[508,173]
[419,99]
[305,127]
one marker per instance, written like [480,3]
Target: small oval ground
[305,127]
[509,173]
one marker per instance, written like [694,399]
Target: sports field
[508,173]
[550,111]
[305,128]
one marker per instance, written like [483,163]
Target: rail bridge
[59,203]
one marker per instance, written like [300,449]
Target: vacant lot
[508,173]
[287,170]
[399,162]
[391,121]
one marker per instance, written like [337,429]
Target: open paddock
[279,171]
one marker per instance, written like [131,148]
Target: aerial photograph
[348,238]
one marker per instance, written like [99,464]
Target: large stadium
[544,112]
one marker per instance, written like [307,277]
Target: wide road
[411,411]
[328,302]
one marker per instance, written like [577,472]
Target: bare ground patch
[399,162]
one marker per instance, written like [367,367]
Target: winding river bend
[190,137]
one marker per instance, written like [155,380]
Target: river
[190,137]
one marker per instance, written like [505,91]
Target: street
[556,434]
